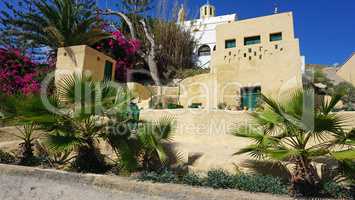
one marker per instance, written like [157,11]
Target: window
[231,44]
[108,71]
[275,37]
[204,50]
[211,11]
[214,48]
[205,10]
[252,40]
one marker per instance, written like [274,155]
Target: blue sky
[326,28]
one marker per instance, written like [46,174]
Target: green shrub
[6,158]
[222,106]
[257,183]
[174,106]
[218,178]
[332,189]
[195,105]
[163,177]
[192,179]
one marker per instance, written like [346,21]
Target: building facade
[204,31]
[83,59]
[252,56]
[347,70]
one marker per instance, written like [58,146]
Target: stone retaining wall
[17,183]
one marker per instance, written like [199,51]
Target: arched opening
[204,50]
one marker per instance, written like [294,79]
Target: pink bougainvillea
[123,50]
[18,74]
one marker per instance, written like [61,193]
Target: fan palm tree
[56,23]
[146,148]
[153,137]
[76,127]
[296,132]
[26,135]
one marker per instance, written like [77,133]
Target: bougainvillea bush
[123,50]
[18,74]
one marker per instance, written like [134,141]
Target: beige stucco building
[347,70]
[84,59]
[252,56]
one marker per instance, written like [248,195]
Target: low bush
[220,179]
[6,158]
[174,106]
[222,106]
[332,189]
[258,183]
[195,105]
[192,179]
[165,176]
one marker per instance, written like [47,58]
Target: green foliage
[195,105]
[163,177]
[6,158]
[26,146]
[257,183]
[284,131]
[348,94]
[220,179]
[188,72]
[53,23]
[332,189]
[222,106]
[174,106]
[74,126]
[192,179]
[137,6]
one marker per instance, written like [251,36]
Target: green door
[108,71]
[250,97]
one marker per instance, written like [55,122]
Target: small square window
[245,55]
[230,44]
[275,37]
[252,40]
[260,57]
[254,53]
[276,46]
[249,57]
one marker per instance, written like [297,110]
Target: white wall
[204,31]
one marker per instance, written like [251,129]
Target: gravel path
[30,188]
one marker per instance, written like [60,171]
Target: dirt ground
[202,152]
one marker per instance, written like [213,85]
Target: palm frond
[164,128]
[328,106]
[60,141]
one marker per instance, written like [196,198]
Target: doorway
[250,96]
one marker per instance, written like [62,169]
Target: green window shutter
[275,37]
[108,71]
[230,44]
[252,40]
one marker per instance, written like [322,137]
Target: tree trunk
[305,180]
[149,57]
